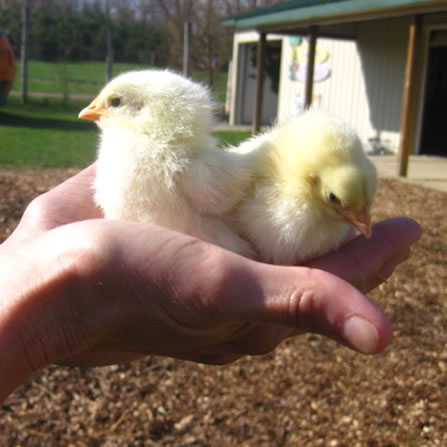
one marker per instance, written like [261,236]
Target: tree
[24,49]
[208,39]
[211,42]
[77,30]
[109,44]
[144,31]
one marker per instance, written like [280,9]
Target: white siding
[243,83]
[343,93]
[382,48]
[366,81]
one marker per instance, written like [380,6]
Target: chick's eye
[334,199]
[115,102]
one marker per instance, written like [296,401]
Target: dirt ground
[309,392]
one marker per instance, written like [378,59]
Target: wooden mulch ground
[309,392]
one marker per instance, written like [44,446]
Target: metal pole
[310,68]
[109,44]
[407,119]
[259,98]
[187,49]
[24,50]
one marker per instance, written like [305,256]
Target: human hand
[82,290]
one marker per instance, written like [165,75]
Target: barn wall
[382,50]
[243,82]
[365,84]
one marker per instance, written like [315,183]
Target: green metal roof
[312,10]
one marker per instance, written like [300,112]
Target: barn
[381,64]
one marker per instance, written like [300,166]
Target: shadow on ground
[7,119]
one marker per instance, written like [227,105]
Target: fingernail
[361,334]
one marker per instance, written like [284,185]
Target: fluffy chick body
[157,161]
[284,197]
[312,183]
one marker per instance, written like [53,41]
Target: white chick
[313,183]
[157,161]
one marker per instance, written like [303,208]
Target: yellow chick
[157,161]
[312,183]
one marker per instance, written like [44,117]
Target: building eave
[298,19]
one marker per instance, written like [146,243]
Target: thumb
[318,299]
[310,300]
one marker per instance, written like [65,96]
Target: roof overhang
[334,18]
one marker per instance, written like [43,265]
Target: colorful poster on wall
[298,68]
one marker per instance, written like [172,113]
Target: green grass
[220,84]
[46,148]
[231,137]
[89,77]
[73,77]
[46,133]
[45,107]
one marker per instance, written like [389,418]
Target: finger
[314,300]
[311,300]
[214,287]
[366,263]
[71,201]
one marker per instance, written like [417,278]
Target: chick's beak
[93,111]
[360,220]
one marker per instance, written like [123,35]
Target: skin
[81,290]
